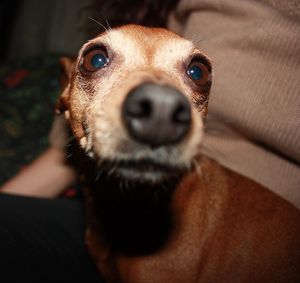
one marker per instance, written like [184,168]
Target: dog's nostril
[182,114]
[139,109]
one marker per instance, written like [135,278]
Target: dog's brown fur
[225,227]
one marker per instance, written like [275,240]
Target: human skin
[46,177]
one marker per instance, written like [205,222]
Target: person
[252,127]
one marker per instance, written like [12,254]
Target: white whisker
[108,25]
[97,22]
[198,168]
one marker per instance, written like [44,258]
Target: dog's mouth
[144,170]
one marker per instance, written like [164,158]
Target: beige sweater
[254,111]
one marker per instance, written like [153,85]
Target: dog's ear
[67,65]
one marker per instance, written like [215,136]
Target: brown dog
[157,210]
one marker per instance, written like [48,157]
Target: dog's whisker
[126,184]
[188,165]
[198,168]
[100,24]
[111,171]
[100,162]
[70,140]
[106,21]
[98,175]
[113,168]
[197,40]
[69,155]
[106,29]
[108,25]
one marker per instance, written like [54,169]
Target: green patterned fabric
[28,92]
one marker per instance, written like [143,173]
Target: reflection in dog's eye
[95,60]
[199,73]
[195,72]
[98,61]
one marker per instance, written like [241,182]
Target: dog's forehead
[140,45]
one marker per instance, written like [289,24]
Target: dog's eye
[198,72]
[94,60]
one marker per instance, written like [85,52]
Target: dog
[157,209]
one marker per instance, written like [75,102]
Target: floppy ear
[67,65]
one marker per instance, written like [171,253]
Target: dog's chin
[143,171]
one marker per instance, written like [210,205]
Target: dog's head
[135,99]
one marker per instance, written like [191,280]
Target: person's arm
[47,176]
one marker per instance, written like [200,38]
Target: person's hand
[47,176]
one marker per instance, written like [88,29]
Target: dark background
[8,11]
[34,28]
[33,35]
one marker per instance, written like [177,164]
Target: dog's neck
[133,218]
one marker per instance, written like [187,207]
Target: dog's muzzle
[157,115]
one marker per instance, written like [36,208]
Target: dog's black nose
[157,115]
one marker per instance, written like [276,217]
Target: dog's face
[136,99]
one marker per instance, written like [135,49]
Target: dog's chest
[179,259]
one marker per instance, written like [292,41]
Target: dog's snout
[157,115]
